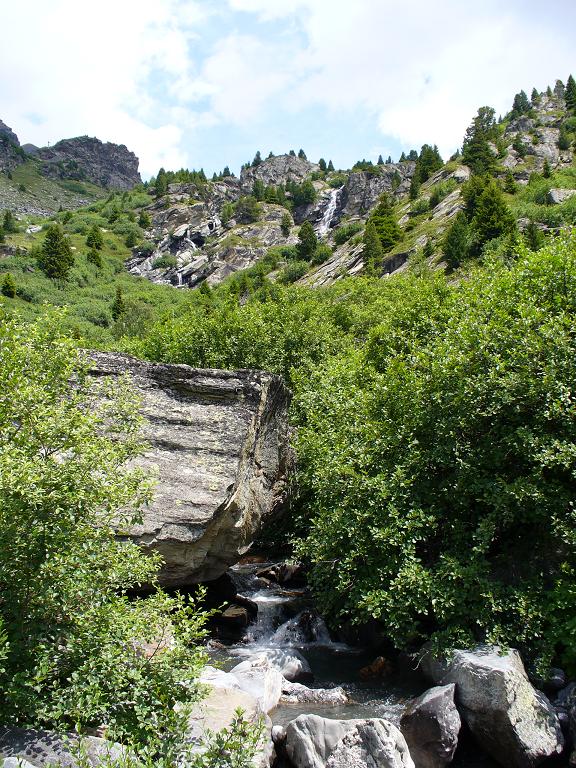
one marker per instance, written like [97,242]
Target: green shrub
[346,231]
[322,253]
[164,262]
[293,271]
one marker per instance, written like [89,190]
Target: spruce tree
[456,245]
[226,172]
[94,257]
[161,183]
[330,166]
[9,223]
[534,97]
[429,161]
[372,253]
[546,170]
[492,217]
[286,224]
[402,158]
[385,222]
[559,90]
[2,235]
[414,185]
[322,165]
[270,155]
[570,94]
[509,183]
[56,258]
[521,105]
[563,139]
[8,286]
[257,160]
[307,241]
[533,237]
[380,160]
[476,151]
[292,153]
[258,190]
[144,220]
[302,154]
[118,307]
[389,160]
[94,238]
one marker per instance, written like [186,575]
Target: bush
[293,271]
[164,262]
[346,231]
[322,253]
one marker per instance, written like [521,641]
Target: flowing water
[285,620]
[323,225]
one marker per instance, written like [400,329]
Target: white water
[323,225]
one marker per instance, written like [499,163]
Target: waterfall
[323,225]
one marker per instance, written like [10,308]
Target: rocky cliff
[11,154]
[107,165]
[218,446]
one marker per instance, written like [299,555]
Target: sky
[206,83]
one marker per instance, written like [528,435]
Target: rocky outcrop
[276,170]
[363,188]
[218,446]
[11,154]
[558,196]
[509,718]
[317,742]
[45,748]
[431,725]
[84,158]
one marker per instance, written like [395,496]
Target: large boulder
[290,663]
[296,693]
[512,721]
[431,725]
[258,677]
[45,748]
[219,447]
[318,742]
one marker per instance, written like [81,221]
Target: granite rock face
[87,159]
[362,189]
[277,170]
[219,448]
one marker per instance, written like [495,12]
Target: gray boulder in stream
[318,742]
[511,720]
[431,725]
[219,450]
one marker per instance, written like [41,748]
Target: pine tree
[570,95]
[286,224]
[559,89]
[385,222]
[9,224]
[492,217]
[118,307]
[8,286]
[428,162]
[144,220]
[380,160]
[533,237]
[372,253]
[549,92]
[94,257]
[518,146]
[330,166]
[389,160]
[476,151]
[94,238]
[322,165]
[456,245]
[56,258]
[270,155]
[292,153]
[563,139]
[302,154]
[270,195]
[414,186]
[307,241]
[214,176]
[402,158]
[509,183]
[258,190]
[521,105]
[546,170]
[535,97]
[161,183]
[131,240]
[257,160]
[226,172]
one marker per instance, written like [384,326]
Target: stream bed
[285,620]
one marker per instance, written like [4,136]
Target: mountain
[70,174]
[196,233]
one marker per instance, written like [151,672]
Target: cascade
[323,225]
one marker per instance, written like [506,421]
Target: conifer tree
[389,160]
[380,160]
[385,222]
[563,139]
[144,220]
[161,183]
[559,89]
[226,172]
[372,253]
[549,92]
[546,170]
[492,217]
[270,155]
[535,97]
[533,237]
[286,224]
[56,258]
[456,243]
[322,164]
[2,235]
[94,257]
[118,307]
[476,151]
[8,286]
[509,183]
[570,94]
[94,238]
[402,158]
[292,153]
[302,154]
[330,166]
[307,241]
[428,162]
[9,224]
[258,190]
[257,160]
[414,186]
[413,155]
[521,105]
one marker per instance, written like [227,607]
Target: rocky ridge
[11,154]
